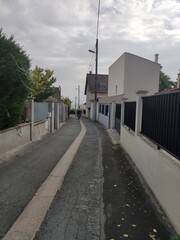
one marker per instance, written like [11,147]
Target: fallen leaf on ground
[133,225]
[118,225]
[130,183]
[127,205]
[152,236]
[126,235]
[154,230]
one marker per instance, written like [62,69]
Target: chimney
[156,57]
[178,80]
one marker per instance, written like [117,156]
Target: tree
[42,81]
[165,82]
[14,80]
[68,102]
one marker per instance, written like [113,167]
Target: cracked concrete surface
[101,196]
[32,216]
[77,210]
[25,172]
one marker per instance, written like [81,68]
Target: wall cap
[142,92]
[31,97]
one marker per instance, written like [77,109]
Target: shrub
[14,81]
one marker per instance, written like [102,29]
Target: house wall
[88,97]
[90,106]
[131,73]
[92,111]
[140,74]
[116,77]
[160,170]
[91,96]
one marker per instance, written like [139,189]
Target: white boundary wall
[160,170]
[21,134]
[15,137]
[104,120]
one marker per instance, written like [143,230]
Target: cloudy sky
[58,33]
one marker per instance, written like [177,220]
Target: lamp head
[91,51]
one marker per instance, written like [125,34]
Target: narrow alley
[100,198]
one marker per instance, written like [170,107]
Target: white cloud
[57,34]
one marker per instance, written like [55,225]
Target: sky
[57,34]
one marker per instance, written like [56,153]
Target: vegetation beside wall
[14,79]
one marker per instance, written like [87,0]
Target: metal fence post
[31,116]
[57,115]
[139,105]
[123,100]
[112,117]
[52,117]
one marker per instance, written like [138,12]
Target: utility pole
[96,66]
[95,82]
[95,79]
[75,103]
[78,96]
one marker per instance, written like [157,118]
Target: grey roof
[102,83]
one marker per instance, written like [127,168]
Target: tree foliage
[42,81]
[68,102]
[14,80]
[165,82]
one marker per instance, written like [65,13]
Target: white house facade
[131,73]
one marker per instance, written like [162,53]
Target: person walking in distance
[79,113]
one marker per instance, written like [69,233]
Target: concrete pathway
[101,196]
[29,222]
[24,173]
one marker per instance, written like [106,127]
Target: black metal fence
[118,117]
[161,121]
[104,109]
[130,115]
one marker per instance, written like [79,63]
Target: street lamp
[96,75]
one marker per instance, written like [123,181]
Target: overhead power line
[97,34]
